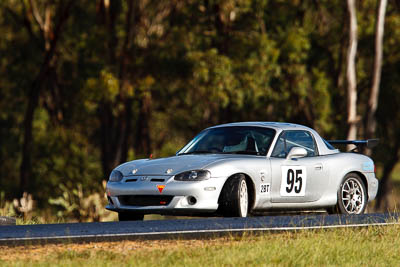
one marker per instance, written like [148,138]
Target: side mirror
[296,152]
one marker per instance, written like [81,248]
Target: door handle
[318,167]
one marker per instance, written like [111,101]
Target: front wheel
[234,200]
[129,216]
[352,195]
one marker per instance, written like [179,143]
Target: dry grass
[373,246]
[38,252]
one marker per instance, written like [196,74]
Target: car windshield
[231,140]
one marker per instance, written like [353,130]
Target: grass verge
[345,247]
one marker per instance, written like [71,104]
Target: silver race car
[241,168]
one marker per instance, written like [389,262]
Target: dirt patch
[38,252]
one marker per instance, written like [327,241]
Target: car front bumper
[175,197]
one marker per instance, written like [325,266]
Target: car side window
[280,150]
[290,139]
[302,139]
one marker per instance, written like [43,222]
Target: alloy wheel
[353,196]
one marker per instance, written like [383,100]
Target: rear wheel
[352,195]
[129,216]
[234,199]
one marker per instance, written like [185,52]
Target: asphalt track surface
[181,229]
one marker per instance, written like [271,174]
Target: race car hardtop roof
[276,125]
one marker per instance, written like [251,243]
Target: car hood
[169,166]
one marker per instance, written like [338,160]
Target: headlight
[197,175]
[115,176]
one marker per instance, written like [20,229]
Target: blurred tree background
[86,85]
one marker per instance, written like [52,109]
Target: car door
[297,180]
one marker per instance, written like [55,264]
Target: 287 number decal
[293,181]
[265,188]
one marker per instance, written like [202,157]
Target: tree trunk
[143,140]
[352,119]
[132,19]
[373,97]
[385,182]
[339,75]
[107,129]
[26,164]
[51,41]
[115,129]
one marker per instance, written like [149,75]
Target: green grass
[373,246]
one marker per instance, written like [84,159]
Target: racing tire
[352,196]
[130,216]
[234,198]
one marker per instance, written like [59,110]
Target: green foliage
[81,205]
[7,208]
[21,209]
[127,81]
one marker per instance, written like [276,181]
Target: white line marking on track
[272,229]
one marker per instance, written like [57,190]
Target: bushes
[77,204]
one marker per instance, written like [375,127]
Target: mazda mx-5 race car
[241,168]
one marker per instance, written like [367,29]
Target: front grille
[145,200]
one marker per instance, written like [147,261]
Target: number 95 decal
[294,180]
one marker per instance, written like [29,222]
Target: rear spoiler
[370,143]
